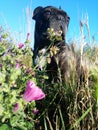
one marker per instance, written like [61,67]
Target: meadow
[29,102]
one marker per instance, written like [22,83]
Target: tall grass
[75,107]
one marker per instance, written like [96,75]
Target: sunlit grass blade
[51,128]
[81,118]
[62,120]
[45,124]
[96,93]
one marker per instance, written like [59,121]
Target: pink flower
[17,66]
[28,36]
[33,92]
[20,45]
[35,111]
[0,39]
[0,65]
[16,107]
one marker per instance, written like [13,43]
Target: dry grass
[75,105]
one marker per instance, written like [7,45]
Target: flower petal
[33,92]
[35,111]
[20,45]
[16,107]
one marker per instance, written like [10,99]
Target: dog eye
[47,12]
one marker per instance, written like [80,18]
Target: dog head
[49,17]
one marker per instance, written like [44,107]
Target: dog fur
[58,20]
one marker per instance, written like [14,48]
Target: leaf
[62,120]
[96,93]
[1,110]
[14,120]
[5,127]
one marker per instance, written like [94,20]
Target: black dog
[58,20]
[48,17]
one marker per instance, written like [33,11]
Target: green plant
[17,106]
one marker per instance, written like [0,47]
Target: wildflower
[17,66]
[53,50]
[28,39]
[0,39]
[0,65]
[20,45]
[28,36]
[59,33]
[16,107]
[33,92]
[35,111]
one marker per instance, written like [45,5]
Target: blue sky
[13,14]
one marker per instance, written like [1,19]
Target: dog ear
[36,12]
